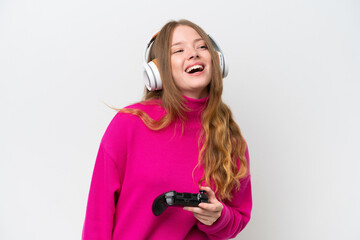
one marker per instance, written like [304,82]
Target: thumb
[210,193]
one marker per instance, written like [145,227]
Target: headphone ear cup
[223,64]
[224,67]
[151,76]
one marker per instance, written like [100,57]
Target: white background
[293,87]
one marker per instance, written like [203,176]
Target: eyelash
[202,47]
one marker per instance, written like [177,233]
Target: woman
[182,137]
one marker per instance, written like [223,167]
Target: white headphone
[151,72]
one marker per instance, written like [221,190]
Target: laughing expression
[190,62]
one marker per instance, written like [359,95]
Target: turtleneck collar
[195,105]
[195,108]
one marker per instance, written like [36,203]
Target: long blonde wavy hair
[221,145]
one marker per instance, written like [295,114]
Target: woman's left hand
[207,213]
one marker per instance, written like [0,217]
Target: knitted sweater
[134,165]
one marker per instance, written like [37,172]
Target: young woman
[181,137]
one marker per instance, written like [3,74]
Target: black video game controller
[176,199]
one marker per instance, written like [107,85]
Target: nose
[193,53]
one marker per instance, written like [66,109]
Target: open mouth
[195,69]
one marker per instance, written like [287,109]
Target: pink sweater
[135,164]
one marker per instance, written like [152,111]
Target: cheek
[174,64]
[208,59]
[176,68]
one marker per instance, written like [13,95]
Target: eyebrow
[178,43]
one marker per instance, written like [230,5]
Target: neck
[197,95]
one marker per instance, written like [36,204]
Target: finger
[204,215]
[211,207]
[190,209]
[201,218]
[209,192]
[204,220]
[199,211]
[209,214]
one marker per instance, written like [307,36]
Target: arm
[234,215]
[105,185]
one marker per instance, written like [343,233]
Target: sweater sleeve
[105,184]
[235,214]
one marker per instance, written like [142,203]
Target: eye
[203,47]
[178,51]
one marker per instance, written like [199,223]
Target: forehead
[183,33]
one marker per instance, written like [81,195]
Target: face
[190,62]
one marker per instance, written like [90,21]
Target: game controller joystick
[176,199]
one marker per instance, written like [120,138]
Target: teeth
[194,67]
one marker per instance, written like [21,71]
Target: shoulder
[125,123]
[152,108]
[125,118]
